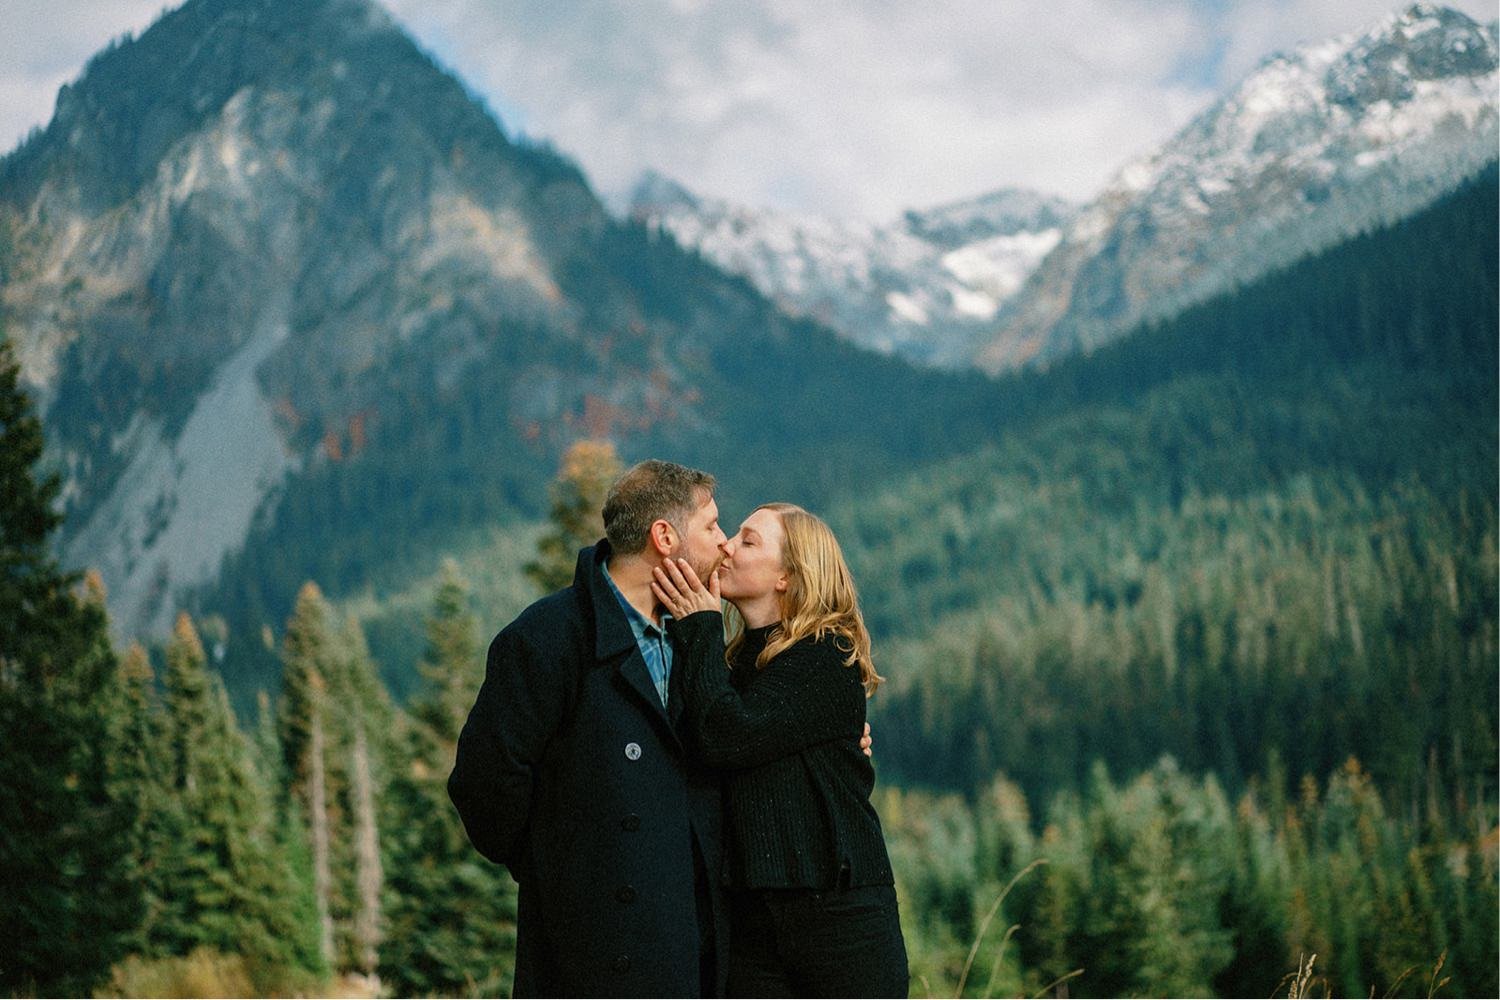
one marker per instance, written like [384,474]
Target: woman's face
[752,566]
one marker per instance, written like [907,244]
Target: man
[571,770]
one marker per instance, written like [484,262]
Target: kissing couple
[686,808]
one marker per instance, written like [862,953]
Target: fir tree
[66,823]
[586,473]
[450,667]
[299,901]
[224,886]
[137,768]
[434,944]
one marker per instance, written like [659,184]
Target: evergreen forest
[1192,661]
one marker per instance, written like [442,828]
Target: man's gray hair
[651,491]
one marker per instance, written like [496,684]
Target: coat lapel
[614,642]
[633,669]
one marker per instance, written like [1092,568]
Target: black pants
[708,980]
[801,943]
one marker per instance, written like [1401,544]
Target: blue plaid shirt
[656,650]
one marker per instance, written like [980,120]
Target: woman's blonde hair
[820,598]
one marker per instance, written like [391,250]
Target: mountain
[924,286]
[224,225]
[1311,148]
[294,306]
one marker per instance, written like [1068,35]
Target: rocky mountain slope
[225,223]
[1312,147]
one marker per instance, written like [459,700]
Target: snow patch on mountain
[924,286]
[994,269]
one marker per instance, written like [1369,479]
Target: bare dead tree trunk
[367,855]
[317,812]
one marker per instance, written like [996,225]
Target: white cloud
[25,103]
[865,107]
[851,107]
[845,106]
[45,43]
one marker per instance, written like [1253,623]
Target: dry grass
[203,973]
[984,925]
[1433,982]
[1301,983]
[209,973]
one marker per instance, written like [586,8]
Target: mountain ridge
[922,286]
[1311,147]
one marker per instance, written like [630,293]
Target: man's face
[699,539]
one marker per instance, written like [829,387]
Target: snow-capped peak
[1311,147]
[923,285]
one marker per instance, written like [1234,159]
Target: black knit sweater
[797,788]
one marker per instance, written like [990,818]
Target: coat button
[632,751]
[625,894]
[630,823]
[622,963]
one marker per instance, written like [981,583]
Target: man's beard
[704,566]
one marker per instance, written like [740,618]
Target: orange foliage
[357,433]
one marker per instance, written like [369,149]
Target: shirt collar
[639,623]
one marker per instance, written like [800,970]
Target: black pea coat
[572,774]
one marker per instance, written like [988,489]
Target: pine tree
[33,591]
[587,470]
[137,769]
[290,848]
[225,886]
[196,902]
[450,667]
[66,824]
[434,946]
[188,706]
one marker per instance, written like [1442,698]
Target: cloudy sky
[847,107]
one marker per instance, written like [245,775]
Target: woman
[813,909]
